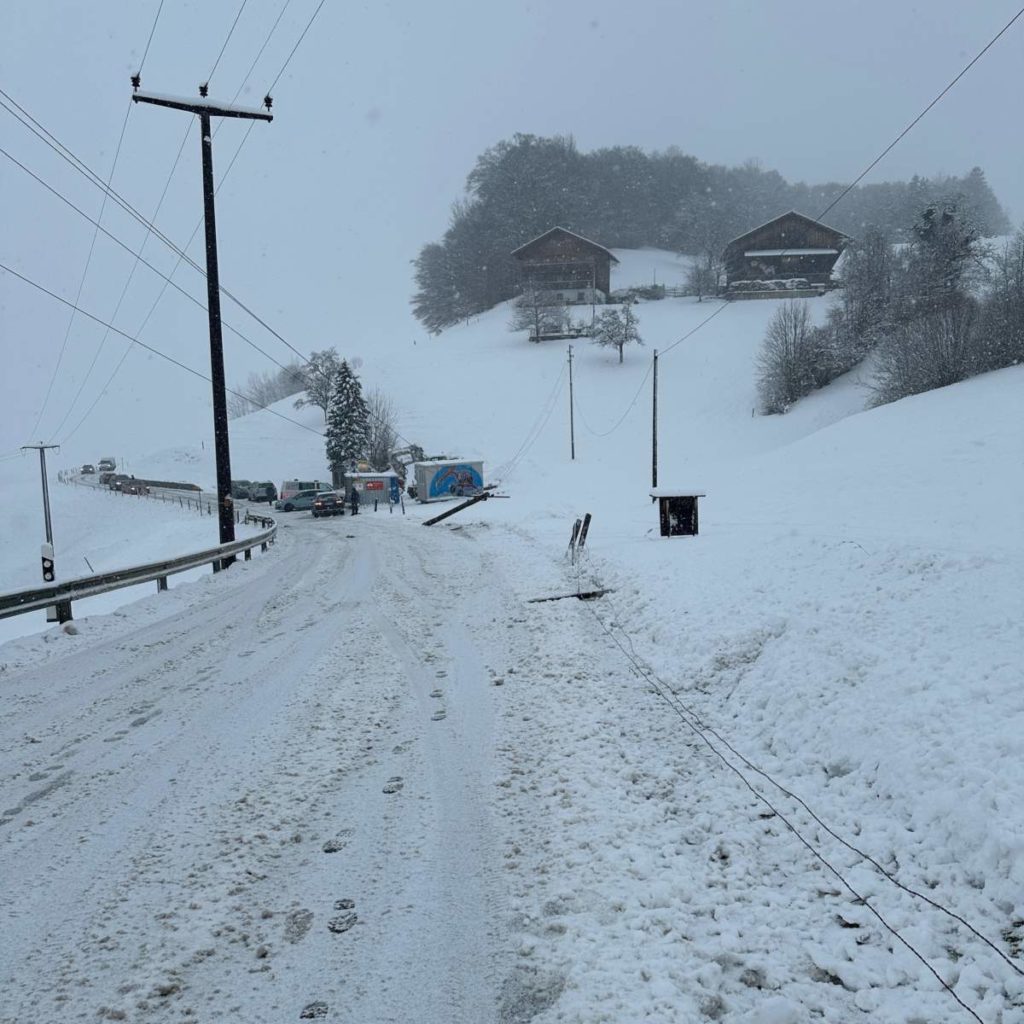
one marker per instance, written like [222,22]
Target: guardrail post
[248,554]
[263,546]
[64,611]
[161,583]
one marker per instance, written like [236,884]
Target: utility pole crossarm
[201,106]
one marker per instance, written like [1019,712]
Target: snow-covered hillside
[851,619]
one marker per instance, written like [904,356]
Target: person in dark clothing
[353,500]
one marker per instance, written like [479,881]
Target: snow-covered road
[271,796]
[361,779]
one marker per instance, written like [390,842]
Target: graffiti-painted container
[455,478]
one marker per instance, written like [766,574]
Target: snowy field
[561,844]
[93,531]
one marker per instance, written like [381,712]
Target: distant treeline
[625,198]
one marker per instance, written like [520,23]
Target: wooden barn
[566,267]
[789,248]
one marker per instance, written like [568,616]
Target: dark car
[263,492]
[240,489]
[105,479]
[328,503]
[133,487]
[118,480]
[88,469]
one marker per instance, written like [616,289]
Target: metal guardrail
[61,595]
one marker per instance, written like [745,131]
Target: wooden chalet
[789,248]
[565,267]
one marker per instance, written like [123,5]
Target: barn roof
[783,216]
[572,234]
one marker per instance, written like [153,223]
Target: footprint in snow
[297,924]
[436,693]
[342,923]
[344,904]
[438,716]
[394,785]
[313,1011]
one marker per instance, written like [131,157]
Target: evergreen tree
[348,426]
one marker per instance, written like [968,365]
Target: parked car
[263,492]
[88,469]
[304,499]
[240,489]
[292,487]
[328,503]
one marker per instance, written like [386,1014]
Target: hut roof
[565,231]
[791,213]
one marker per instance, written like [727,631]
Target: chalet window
[579,296]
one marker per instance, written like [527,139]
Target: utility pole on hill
[572,420]
[654,427]
[205,109]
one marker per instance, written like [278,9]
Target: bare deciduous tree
[928,352]
[534,311]
[617,328]
[793,360]
[263,389]
[383,434]
[319,375]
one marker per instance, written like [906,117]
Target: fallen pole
[585,595]
[466,504]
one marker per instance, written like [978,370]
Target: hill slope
[850,618]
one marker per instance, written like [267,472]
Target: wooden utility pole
[572,418]
[206,109]
[654,426]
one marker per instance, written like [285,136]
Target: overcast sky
[380,116]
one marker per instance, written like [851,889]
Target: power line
[662,690]
[532,435]
[138,256]
[85,272]
[150,39]
[67,155]
[622,418]
[231,32]
[124,290]
[150,348]
[160,295]
[255,60]
[156,212]
[296,46]
[885,152]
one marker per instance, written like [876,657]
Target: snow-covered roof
[566,231]
[792,252]
[788,213]
[676,492]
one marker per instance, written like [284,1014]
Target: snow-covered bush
[928,352]
[794,358]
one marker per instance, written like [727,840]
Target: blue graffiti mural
[459,479]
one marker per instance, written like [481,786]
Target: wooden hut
[790,248]
[565,267]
